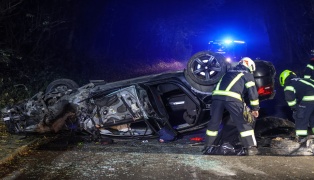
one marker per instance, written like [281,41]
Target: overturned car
[177,102]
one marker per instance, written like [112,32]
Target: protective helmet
[283,76]
[248,62]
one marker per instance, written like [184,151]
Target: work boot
[250,151]
[243,152]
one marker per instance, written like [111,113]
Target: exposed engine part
[44,112]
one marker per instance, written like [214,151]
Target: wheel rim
[205,67]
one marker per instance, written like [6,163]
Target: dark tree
[290,27]
[78,39]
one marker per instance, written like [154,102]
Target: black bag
[227,142]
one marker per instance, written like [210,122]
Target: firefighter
[229,94]
[309,69]
[299,94]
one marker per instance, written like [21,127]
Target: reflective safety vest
[309,71]
[297,90]
[234,84]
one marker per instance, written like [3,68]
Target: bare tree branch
[9,5]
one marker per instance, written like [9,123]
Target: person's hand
[255,114]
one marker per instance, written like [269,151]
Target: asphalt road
[73,158]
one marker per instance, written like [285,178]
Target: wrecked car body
[140,107]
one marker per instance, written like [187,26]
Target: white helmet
[248,62]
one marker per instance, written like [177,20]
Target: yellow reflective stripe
[310,66]
[307,76]
[234,81]
[247,133]
[211,133]
[218,85]
[289,88]
[254,103]
[307,83]
[227,93]
[249,84]
[301,132]
[308,98]
[292,103]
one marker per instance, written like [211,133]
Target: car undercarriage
[145,106]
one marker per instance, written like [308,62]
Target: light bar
[241,42]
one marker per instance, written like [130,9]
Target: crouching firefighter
[299,94]
[229,94]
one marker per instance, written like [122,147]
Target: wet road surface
[72,158]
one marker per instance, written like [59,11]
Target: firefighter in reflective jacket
[299,94]
[309,69]
[228,95]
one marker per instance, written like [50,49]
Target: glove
[255,114]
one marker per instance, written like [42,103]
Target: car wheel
[275,136]
[197,86]
[10,127]
[273,127]
[206,68]
[61,85]
[288,147]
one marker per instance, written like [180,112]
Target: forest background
[41,41]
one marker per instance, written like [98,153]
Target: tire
[274,136]
[288,147]
[270,127]
[206,68]
[10,127]
[197,86]
[61,85]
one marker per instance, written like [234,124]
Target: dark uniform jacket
[235,84]
[297,90]
[309,70]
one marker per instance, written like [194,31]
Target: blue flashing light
[240,42]
[228,41]
[228,59]
[231,49]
